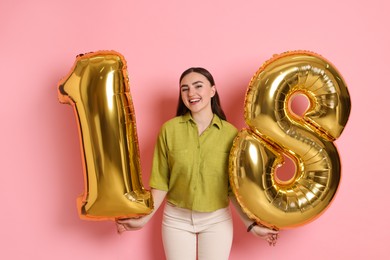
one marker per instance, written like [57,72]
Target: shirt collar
[216,121]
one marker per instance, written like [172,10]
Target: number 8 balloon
[274,131]
[97,88]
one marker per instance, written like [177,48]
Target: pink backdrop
[41,171]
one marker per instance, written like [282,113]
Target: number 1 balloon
[274,131]
[97,87]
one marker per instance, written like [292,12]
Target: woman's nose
[191,91]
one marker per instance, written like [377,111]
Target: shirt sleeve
[159,178]
[234,133]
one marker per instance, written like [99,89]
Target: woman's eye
[184,89]
[198,86]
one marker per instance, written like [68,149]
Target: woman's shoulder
[173,122]
[228,126]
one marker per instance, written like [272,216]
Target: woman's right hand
[128,224]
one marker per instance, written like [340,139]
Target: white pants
[189,234]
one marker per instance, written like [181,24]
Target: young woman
[190,170]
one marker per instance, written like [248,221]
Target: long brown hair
[215,103]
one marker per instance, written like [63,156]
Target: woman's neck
[202,120]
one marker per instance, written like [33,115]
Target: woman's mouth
[194,100]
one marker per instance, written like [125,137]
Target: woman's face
[196,92]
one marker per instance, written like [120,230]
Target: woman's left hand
[270,235]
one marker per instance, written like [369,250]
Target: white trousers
[190,234]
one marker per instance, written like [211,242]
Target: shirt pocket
[216,164]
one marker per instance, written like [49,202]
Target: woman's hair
[215,103]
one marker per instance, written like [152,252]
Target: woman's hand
[128,224]
[270,235]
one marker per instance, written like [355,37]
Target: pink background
[41,171]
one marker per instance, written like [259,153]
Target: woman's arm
[267,234]
[137,223]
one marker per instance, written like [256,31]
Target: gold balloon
[275,130]
[97,88]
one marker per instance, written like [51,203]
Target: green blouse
[193,169]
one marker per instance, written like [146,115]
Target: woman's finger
[272,238]
[122,220]
[120,228]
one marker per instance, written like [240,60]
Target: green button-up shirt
[193,168]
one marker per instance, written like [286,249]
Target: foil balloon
[275,131]
[97,87]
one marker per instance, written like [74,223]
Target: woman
[190,170]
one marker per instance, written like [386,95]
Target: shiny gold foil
[97,87]
[274,131]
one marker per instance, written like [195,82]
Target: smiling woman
[190,169]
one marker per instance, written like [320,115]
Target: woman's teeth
[194,100]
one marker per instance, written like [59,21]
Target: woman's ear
[213,91]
